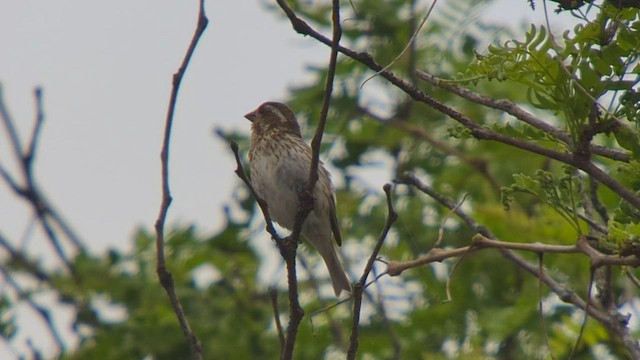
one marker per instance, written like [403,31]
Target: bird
[280,161]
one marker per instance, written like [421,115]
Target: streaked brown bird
[280,160]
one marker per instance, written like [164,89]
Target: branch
[360,285]
[161,268]
[519,113]
[29,191]
[479,164]
[612,320]
[296,313]
[9,124]
[19,259]
[395,268]
[273,294]
[288,247]
[477,130]
[43,313]
[35,133]
[411,179]
[334,325]
[306,199]
[261,203]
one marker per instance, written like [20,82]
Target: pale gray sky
[106,69]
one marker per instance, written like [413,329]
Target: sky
[105,68]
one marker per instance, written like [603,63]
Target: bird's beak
[251,116]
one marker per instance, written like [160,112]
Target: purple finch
[280,161]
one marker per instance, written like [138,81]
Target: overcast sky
[106,68]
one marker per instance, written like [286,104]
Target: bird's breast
[278,173]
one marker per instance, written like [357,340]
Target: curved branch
[161,268]
[477,163]
[43,313]
[27,187]
[519,113]
[359,288]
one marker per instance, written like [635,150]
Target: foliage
[148,327]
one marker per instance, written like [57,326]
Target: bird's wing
[334,221]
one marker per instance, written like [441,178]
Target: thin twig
[411,179]
[595,201]
[305,205]
[9,125]
[19,260]
[273,294]
[35,133]
[317,138]
[42,312]
[479,164]
[47,227]
[360,285]
[396,344]
[634,280]
[164,275]
[444,222]
[335,326]
[543,322]
[296,313]
[29,191]
[586,316]
[410,43]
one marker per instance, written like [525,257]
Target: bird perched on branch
[280,162]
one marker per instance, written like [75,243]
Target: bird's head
[273,117]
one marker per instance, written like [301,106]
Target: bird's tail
[339,279]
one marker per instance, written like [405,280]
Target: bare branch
[410,179]
[21,261]
[479,164]
[163,274]
[359,288]
[273,294]
[288,251]
[43,313]
[9,125]
[288,247]
[307,199]
[35,134]
[28,190]
[334,325]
